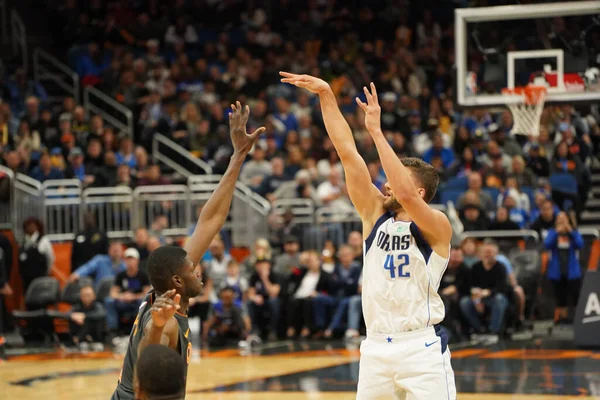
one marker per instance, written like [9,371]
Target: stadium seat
[530,192]
[70,293]
[493,192]
[564,183]
[103,288]
[451,195]
[457,183]
[42,293]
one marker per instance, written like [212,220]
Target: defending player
[164,383]
[406,251]
[175,273]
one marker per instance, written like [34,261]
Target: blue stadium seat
[457,183]
[493,192]
[451,195]
[564,183]
[530,192]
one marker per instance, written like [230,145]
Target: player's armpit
[433,224]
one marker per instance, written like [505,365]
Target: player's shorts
[409,366]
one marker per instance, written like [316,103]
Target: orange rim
[532,94]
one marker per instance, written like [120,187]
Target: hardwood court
[320,372]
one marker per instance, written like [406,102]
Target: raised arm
[162,328]
[433,224]
[215,210]
[367,199]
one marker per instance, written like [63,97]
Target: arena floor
[548,370]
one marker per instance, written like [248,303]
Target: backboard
[556,45]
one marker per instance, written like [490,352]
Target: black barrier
[587,316]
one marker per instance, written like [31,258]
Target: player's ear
[422,193]
[177,281]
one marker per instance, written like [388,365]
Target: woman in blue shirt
[564,269]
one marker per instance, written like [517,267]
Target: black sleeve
[119,279]
[501,279]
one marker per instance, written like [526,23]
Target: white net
[527,113]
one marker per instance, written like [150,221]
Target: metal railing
[172,201]
[52,73]
[28,201]
[113,112]
[178,158]
[112,207]
[19,38]
[7,206]
[62,208]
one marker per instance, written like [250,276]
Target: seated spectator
[494,152]
[502,223]
[466,165]
[152,177]
[475,185]
[261,251]
[79,125]
[36,256]
[290,259]
[537,162]
[515,213]
[438,150]
[273,181]
[356,243]
[299,187]
[282,227]
[94,157]
[512,188]
[88,243]
[518,292]
[255,171]
[140,243]
[125,155]
[91,66]
[45,171]
[227,324]
[333,193]
[159,224]
[235,281]
[489,286]
[521,173]
[87,320]
[564,268]
[495,175]
[77,169]
[455,284]
[345,285]
[128,290]
[26,139]
[181,32]
[216,267]
[563,161]
[473,219]
[546,219]
[263,299]
[295,160]
[102,266]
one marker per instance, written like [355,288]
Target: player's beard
[391,204]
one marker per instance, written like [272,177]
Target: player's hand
[307,82]
[372,109]
[78,318]
[238,118]
[164,307]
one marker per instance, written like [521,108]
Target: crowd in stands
[179,67]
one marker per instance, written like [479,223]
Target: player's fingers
[246,114]
[286,74]
[374,92]
[258,132]
[369,97]
[361,104]
[170,293]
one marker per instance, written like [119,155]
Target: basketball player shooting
[406,251]
[175,273]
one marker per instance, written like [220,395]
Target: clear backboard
[552,44]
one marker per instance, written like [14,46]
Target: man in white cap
[129,288]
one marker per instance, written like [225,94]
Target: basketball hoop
[528,111]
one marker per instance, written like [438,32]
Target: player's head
[160,374]
[169,268]
[425,178]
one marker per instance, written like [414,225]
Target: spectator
[92,65]
[488,292]
[77,169]
[515,213]
[455,285]
[125,154]
[226,324]
[127,292]
[26,139]
[438,150]
[469,248]
[356,243]
[564,268]
[88,243]
[216,267]
[345,283]
[140,243]
[262,251]
[517,290]
[274,180]
[200,305]
[159,224]
[263,298]
[521,173]
[290,259]
[494,152]
[473,219]
[502,222]
[512,188]
[475,185]
[45,171]
[326,165]
[152,177]
[94,159]
[79,125]
[36,256]
[256,170]
[332,193]
[283,226]
[181,32]
[546,219]
[537,162]
[467,165]
[495,176]
[235,281]
[87,319]
[299,187]
[102,266]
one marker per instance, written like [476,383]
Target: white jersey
[401,276]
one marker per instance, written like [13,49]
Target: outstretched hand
[238,118]
[165,307]
[372,109]
[308,82]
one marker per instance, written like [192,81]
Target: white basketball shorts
[408,366]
